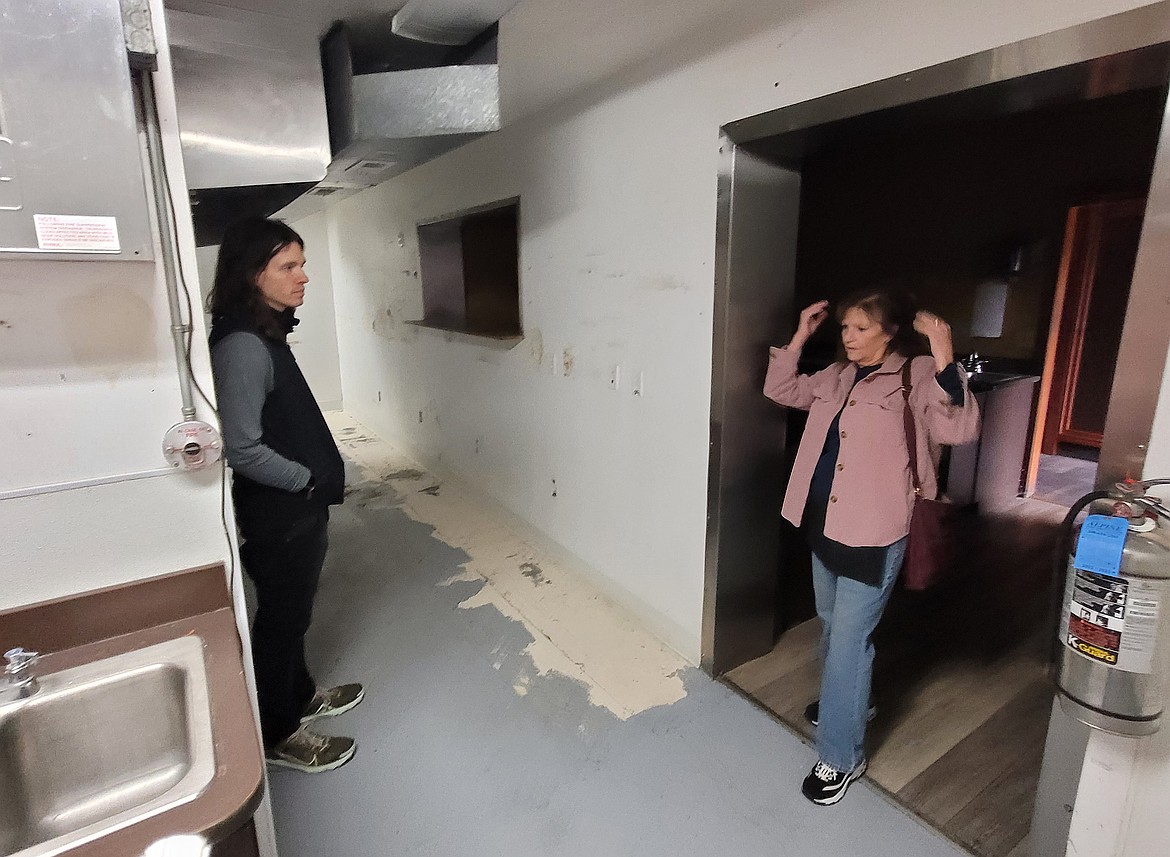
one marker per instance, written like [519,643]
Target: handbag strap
[908,423]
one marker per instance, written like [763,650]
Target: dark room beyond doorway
[950,205]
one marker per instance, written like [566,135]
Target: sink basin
[102,746]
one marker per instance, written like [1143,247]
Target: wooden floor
[960,682]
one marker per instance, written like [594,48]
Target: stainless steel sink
[102,746]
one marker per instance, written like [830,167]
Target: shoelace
[825,773]
[315,742]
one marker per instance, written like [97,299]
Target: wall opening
[470,272]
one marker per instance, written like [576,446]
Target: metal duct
[264,131]
[384,123]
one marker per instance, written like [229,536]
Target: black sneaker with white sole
[812,712]
[825,785]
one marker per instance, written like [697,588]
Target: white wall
[314,341]
[1125,783]
[88,386]
[87,389]
[617,193]
[628,473]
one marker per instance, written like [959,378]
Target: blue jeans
[849,613]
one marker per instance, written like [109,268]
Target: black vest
[293,426]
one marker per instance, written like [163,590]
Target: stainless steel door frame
[759,214]
[1145,337]
[753,289]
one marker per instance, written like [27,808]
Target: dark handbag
[934,524]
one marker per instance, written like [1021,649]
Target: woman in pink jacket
[852,494]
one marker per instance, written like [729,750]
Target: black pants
[285,564]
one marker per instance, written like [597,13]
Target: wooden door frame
[1070,308]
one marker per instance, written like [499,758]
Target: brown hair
[894,311]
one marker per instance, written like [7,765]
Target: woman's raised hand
[810,319]
[938,333]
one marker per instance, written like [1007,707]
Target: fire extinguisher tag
[1100,545]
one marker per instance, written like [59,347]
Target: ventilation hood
[382,123]
[273,122]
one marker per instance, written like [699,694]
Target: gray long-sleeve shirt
[244,377]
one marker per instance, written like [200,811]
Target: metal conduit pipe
[180,332]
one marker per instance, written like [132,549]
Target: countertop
[983,382]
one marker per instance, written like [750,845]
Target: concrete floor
[511,710]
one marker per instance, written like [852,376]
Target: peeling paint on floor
[576,632]
[408,473]
[536,720]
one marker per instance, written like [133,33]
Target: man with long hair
[287,473]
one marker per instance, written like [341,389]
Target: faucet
[20,677]
[973,363]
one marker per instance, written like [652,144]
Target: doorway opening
[1099,248]
[1012,205]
